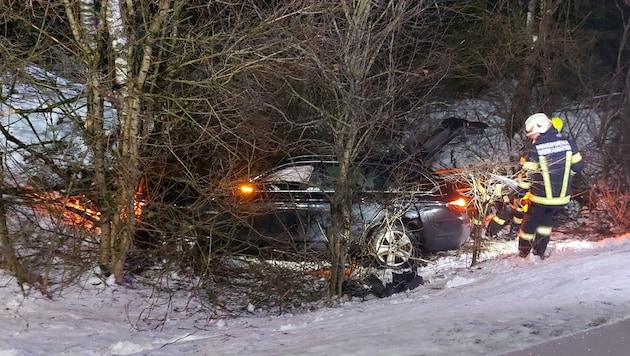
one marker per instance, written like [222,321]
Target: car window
[324,177]
[374,180]
[365,176]
[359,178]
[292,174]
[399,177]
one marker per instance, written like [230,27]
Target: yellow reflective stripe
[567,174]
[550,201]
[524,185]
[517,221]
[530,166]
[544,170]
[576,158]
[525,236]
[543,230]
[498,220]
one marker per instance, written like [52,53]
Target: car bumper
[443,232]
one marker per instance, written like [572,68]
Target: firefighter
[512,212]
[547,169]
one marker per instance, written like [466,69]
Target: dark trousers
[536,228]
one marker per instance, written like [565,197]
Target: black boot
[524,247]
[540,246]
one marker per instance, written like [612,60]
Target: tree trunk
[522,97]
[536,31]
[97,140]
[105,33]
[131,117]
[341,217]
[128,179]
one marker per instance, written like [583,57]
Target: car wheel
[393,246]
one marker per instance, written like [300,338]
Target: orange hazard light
[246,189]
[458,204]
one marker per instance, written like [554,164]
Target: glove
[499,221]
[521,204]
[494,228]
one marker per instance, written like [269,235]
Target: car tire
[393,246]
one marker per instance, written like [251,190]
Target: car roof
[378,161]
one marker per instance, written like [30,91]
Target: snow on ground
[504,303]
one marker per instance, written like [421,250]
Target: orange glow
[325,272]
[246,189]
[139,200]
[458,204]
[78,210]
[83,205]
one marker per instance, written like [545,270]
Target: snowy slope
[502,304]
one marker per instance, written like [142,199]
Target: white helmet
[537,124]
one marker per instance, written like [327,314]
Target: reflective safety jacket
[548,166]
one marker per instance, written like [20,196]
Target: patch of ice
[459,281]
[126,348]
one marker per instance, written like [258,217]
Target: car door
[284,200]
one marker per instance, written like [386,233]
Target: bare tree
[21,182]
[192,100]
[367,58]
[610,192]
[529,55]
[617,105]
[7,249]
[117,45]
